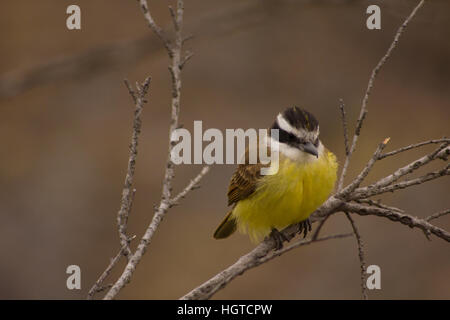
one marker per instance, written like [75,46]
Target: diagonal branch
[357,181]
[404,184]
[127,192]
[440,153]
[256,256]
[154,26]
[375,71]
[413,146]
[437,215]
[379,205]
[191,186]
[405,219]
[97,287]
[261,254]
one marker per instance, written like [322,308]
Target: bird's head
[298,134]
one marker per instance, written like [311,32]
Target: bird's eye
[316,143]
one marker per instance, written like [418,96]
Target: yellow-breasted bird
[264,204]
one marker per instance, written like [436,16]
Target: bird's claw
[278,237]
[305,227]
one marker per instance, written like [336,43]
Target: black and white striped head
[298,134]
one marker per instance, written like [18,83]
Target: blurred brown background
[65,142]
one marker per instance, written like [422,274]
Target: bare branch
[362,262]
[187,38]
[379,205]
[413,146]
[437,215]
[347,151]
[127,192]
[346,142]
[173,15]
[441,152]
[192,185]
[155,28]
[405,219]
[375,71]
[105,274]
[404,184]
[355,184]
[344,126]
[364,109]
[299,243]
[130,90]
[175,71]
[175,53]
[252,259]
[256,257]
[97,287]
[187,57]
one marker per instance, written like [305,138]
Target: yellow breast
[288,197]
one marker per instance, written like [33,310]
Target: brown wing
[244,180]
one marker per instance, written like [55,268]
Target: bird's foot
[278,237]
[304,227]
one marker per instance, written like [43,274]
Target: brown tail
[226,228]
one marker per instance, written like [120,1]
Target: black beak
[310,148]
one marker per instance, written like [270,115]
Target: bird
[263,205]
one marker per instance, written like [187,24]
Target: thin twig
[97,287]
[127,192]
[437,215]
[105,274]
[154,26]
[363,174]
[347,151]
[191,186]
[413,146]
[405,219]
[373,189]
[186,58]
[299,243]
[404,184]
[344,127]
[379,205]
[362,262]
[130,90]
